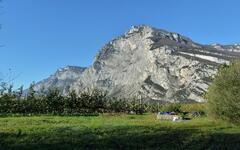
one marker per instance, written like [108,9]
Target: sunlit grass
[115,132]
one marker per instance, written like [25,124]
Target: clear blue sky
[40,36]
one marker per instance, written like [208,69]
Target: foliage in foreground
[115,132]
[224,93]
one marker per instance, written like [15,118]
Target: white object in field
[168,117]
[131,112]
[176,118]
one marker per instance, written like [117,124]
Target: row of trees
[53,102]
[88,102]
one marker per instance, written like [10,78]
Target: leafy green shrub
[223,95]
[92,101]
[153,108]
[201,108]
[118,105]
[6,103]
[137,106]
[174,107]
[54,101]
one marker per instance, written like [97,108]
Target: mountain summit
[149,63]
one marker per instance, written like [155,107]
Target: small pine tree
[31,91]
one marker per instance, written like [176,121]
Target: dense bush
[194,107]
[176,107]
[7,103]
[153,108]
[224,93]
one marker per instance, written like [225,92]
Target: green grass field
[115,132]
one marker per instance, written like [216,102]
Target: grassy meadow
[115,131]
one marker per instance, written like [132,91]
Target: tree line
[51,101]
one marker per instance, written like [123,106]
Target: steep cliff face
[155,65]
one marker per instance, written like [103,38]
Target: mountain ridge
[153,64]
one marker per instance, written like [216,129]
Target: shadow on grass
[128,137]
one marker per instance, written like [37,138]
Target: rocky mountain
[149,63]
[63,78]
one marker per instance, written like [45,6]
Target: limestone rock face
[153,64]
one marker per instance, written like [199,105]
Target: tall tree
[224,95]
[31,91]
